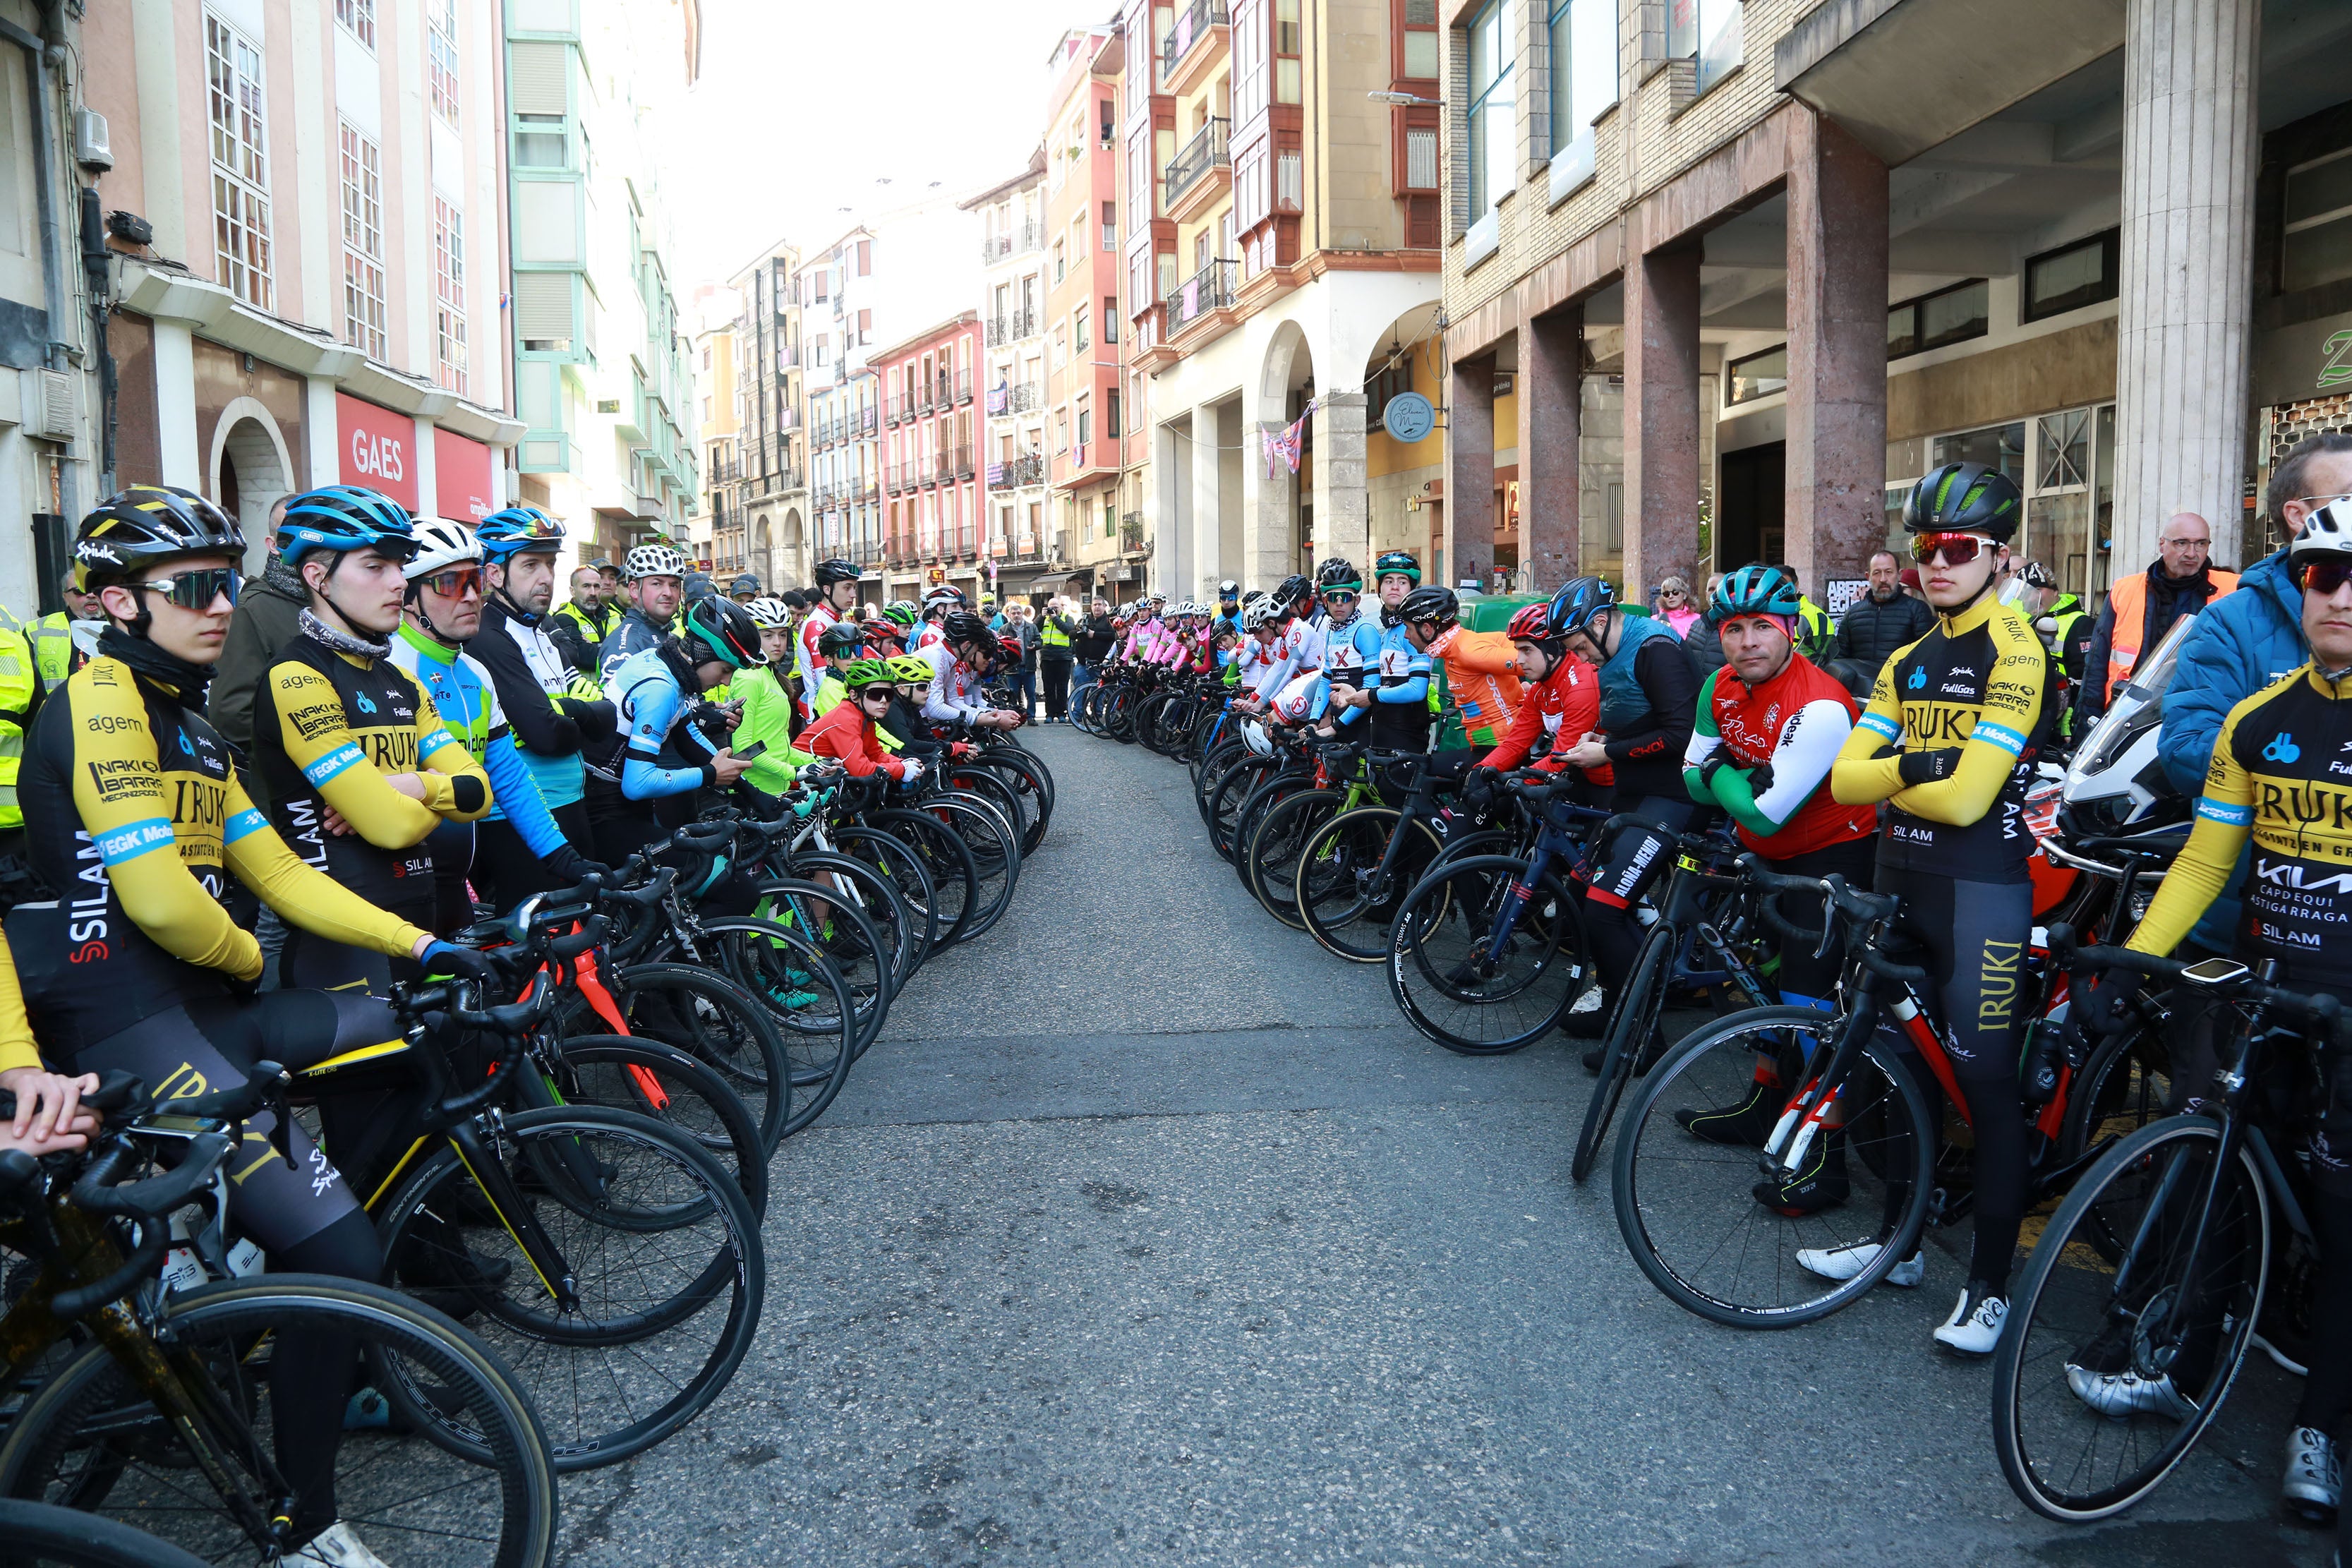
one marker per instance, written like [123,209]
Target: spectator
[264,622]
[2064,624]
[1057,635]
[1883,619]
[1700,642]
[743,589]
[2142,608]
[2242,644]
[1020,627]
[1095,637]
[1674,606]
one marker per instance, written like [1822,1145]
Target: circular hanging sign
[1409,417]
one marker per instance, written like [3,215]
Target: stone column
[1837,353]
[1181,571]
[182,461]
[2183,338]
[1552,425]
[1469,470]
[1661,414]
[1168,519]
[1343,503]
[1268,510]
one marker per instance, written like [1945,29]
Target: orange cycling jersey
[1482,678]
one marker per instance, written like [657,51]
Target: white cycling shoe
[2119,1395]
[1974,1327]
[1845,1262]
[337,1546]
[2314,1474]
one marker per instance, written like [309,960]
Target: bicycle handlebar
[2320,1008]
[144,1202]
[1863,909]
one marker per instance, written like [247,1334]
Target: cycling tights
[1974,936]
[505,870]
[1633,859]
[2327,1391]
[1805,979]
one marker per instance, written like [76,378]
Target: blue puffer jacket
[2241,644]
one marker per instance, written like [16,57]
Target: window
[1139,178]
[2318,244]
[1109,132]
[2067,278]
[1061,346]
[1393,381]
[1079,321]
[1583,66]
[1061,262]
[1999,446]
[240,156]
[1490,122]
[538,141]
[1420,159]
[1286,51]
[1110,319]
[364,307]
[358,16]
[449,294]
[1249,79]
[1420,60]
[1948,316]
[1757,375]
[1110,226]
[1110,514]
[1085,423]
[1289,172]
[1110,416]
[441,58]
[866,259]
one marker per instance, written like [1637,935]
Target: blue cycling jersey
[462,695]
[649,698]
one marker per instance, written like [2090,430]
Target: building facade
[1720,283]
[306,257]
[602,361]
[1281,260]
[1011,217]
[934,497]
[718,529]
[772,421]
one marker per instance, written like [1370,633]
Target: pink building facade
[934,520]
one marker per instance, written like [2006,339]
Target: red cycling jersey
[1787,722]
[848,733]
[1565,704]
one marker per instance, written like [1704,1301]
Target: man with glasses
[2141,608]
[63,641]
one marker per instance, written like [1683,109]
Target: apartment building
[718,530]
[1012,221]
[1723,279]
[603,376]
[772,420]
[934,497]
[306,263]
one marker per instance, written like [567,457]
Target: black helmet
[1337,573]
[962,627]
[828,573]
[1290,592]
[1433,602]
[840,640]
[713,627]
[1964,498]
[1394,562]
[135,528]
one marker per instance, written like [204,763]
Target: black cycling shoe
[1822,1183]
[1589,1025]
[1743,1126]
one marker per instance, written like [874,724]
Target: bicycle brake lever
[281,1121]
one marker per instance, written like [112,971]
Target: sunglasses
[1338,598]
[866,692]
[454,582]
[1956,549]
[197,590]
[2326,574]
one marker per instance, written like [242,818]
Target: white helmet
[1255,609]
[441,543]
[2327,532]
[1255,734]
[652,561]
[769,614]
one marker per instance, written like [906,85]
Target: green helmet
[1755,591]
[862,672]
[1396,561]
[903,612]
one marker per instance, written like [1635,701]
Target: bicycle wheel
[1627,1034]
[947,858]
[2108,1296]
[1281,832]
[622,1072]
[984,783]
[1031,785]
[909,880]
[995,854]
[882,931]
[458,1477]
[717,1023]
[837,929]
[43,1536]
[801,992]
[1457,985]
[1687,1207]
[667,1271]
[2126,1083]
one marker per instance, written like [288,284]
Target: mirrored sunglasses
[2327,574]
[454,582]
[1958,548]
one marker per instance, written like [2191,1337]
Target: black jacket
[1095,639]
[551,726]
[1872,631]
[268,615]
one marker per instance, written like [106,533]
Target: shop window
[1999,446]
[1394,380]
[1757,375]
[2317,246]
[2073,276]
[1948,316]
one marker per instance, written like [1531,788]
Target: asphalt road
[1149,1233]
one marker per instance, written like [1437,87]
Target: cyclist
[1482,678]
[1949,741]
[837,594]
[1229,604]
[1294,610]
[966,653]
[361,768]
[138,816]
[767,705]
[1648,696]
[840,643]
[661,762]
[657,573]
[442,620]
[2273,781]
[849,731]
[1342,590]
[1770,724]
[553,713]
[1559,695]
[935,606]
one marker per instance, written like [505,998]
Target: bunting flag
[1286,448]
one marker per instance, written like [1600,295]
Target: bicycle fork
[520,1220]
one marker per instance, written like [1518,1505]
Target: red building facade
[934,526]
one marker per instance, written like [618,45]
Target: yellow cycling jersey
[17,1047]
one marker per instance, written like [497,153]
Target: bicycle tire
[1904,1140]
[712,1020]
[677,1090]
[947,857]
[910,881]
[984,783]
[1631,1018]
[43,1535]
[845,937]
[2081,1239]
[1281,835]
[675,1185]
[1032,783]
[1338,884]
[2126,1084]
[482,1437]
[759,956]
[881,917]
[1442,986]
[996,852]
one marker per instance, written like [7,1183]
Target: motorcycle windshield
[2136,706]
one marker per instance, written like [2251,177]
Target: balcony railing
[1206,151]
[788,419]
[1021,399]
[865,551]
[1013,473]
[1210,288]
[788,479]
[866,420]
[787,356]
[964,386]
[963,466]
[1190,27]
[1012,328]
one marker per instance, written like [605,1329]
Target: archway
[789,562]
[1409,356]
[762,564]
[1285,383]
[250,470]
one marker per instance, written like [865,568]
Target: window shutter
[535,78]
[1420,159]
[543,302]
[864,258]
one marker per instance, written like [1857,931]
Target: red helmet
[1011,646]
[880,630]
[1531,624]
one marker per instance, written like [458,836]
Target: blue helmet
[1578,600]
[517,530]
[340,519]
[1755,591]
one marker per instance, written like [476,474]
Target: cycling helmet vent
[517,529]
[1337,573]
[1434,603]
[654,561]
[1579,600]
[725,629]
[828,573]
[1397,562]
[1755,591]
[340,519]
[1964,498]
[769,614]
[135,528]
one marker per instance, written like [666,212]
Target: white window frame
[239,140]
[451,356]
[358,19]
[364,308]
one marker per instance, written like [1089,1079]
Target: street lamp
[1406,100]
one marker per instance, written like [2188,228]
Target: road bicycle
[1354,869]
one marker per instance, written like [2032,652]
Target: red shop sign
[461,478]
[378,448]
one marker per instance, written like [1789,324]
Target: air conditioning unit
[46,400]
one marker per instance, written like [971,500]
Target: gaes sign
[378,448]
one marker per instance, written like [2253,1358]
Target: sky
[803,108]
